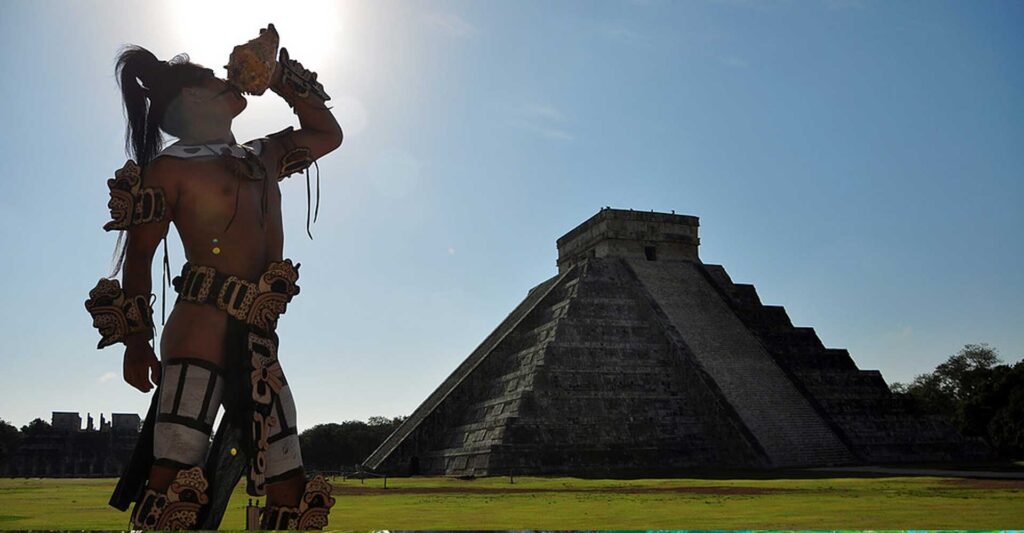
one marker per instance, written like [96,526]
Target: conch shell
[252,64]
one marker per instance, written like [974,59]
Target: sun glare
[207,31]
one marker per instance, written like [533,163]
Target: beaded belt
[257,303]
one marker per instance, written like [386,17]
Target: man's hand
[139,362]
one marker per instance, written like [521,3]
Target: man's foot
[312,512]
[176,508]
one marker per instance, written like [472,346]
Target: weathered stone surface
[857,404]
[639,359]
[782,420]
[630,234]
[67,450]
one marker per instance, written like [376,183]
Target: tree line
[343,447]
[325,447]
[979,394]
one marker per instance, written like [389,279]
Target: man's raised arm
[320,132]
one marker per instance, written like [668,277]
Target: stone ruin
[639,359]
[67,450]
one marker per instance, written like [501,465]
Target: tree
[962,374]
[928,395]
[953,383]
[36,427]
[977,394]
[342,446]
[997,410]
[378,421]
[392,423]
[9,439]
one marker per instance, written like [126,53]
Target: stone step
[588,307]
[607,344]
[746,294]
[626,333]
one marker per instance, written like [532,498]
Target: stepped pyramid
[637,358]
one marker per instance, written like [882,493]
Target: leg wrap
[190,396]
[177,508]
[284,458]
[312,512]
[276,454]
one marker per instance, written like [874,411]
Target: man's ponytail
[138,74]
[149,87]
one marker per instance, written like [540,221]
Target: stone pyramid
[637,358]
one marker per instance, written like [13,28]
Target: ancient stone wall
[875,424]
[72,454]
[451,431]
[587,381]
[616,396]
[633,234]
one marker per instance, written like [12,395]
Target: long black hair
[150,89]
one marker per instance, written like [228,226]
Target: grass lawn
[574,503]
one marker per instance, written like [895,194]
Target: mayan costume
[257,435]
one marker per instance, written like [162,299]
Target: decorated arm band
[131,203]
[297,159]
[294,158]
[117,315]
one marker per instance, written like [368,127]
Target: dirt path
[923,472]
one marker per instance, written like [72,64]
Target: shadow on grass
[822,472]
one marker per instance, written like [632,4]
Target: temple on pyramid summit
[639,359]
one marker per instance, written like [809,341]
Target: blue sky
[859,162]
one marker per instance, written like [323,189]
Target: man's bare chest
[220,191]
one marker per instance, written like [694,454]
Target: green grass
[574,503]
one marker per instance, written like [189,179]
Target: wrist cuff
[297,82]
[117,315]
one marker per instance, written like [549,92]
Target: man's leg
[286,492]
[285,476]
[190,395]
[292,502]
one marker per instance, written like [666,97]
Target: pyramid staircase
[784,422]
